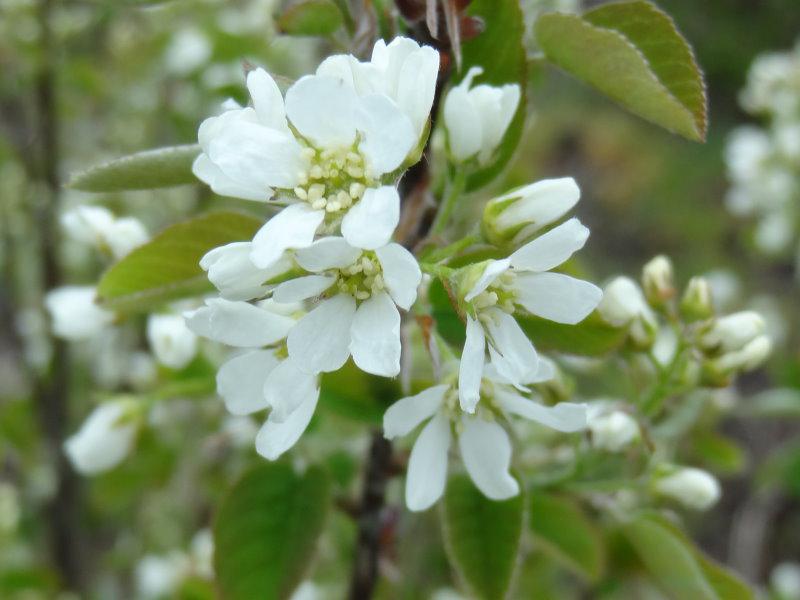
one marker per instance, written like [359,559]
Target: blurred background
[85,81]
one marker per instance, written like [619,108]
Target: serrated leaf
[267,529]
[677,565]
[590,337]
[482,537]
[564,531]
[167,267]
[633,53]
[151,169]
[499,50]
[311,17]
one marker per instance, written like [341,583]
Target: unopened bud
[172,342]
[518,214]
[696,303]
[718,371]
[733,332]
[612,431]
[658,280]
[623,305]
[693,488]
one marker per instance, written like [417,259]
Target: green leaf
[590,337]
[499,50]
[719,453]
[164,167]
[482,537]
[311,17]
[565,532]
[677,565]
[167,267]
[776,403]
[633,53]
[267,529]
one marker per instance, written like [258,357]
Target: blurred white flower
[785,581]
[624,305]
[188,50]
[612,430]
[75,314]
[477,117]
[96,226]
[172,342]
[160,576]
[105,439]
[693,488]
[733,332]
[658,279]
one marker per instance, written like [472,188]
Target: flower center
[500,293]
[361,279]
[334,180]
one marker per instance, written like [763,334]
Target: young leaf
[164,167]
[482,537]
[266,531]
[565,532]
[677,565]
[167,267]
[311,17]
[633,53]
[590,337]
[499,50]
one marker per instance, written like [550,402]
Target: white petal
[339,66]
[486,451]
[221,184]
[102,442]
[427,466]
[539,203]
[287,388]
[327,253]
[323,110]
[320,341]
[296,290]
[293,227]
[417,84]
[493,269]
[405,414]
[372,221]
[75,314]
[257,156]
[552,248]
[267,99]
[462,120]
[388,134]
[240,381]
[236,277]
[565,416]
[497,106]
[557,297]
[375,336]
[238,323]
[516,358]
[275,438]
[470,370]
[401,273]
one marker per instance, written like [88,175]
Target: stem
[455,190]
[51,390]
[370,520]
[439,271]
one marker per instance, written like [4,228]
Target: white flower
[188,50]
[733,332]
[476,119]
[104,439]
[518,214]
[612,430]
[171,341]
[624,305]
[235,276]
[96,226]
[259,378]
[359,314]
[484,445]
[329,165]
[785,581]
[694,488]
[75,314]
[159,576]
[520,281]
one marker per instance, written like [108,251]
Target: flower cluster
[322,281]
[764,162]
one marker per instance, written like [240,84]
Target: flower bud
[96,226]
[124,235]
[624,305]
[658,280]
[75,314]
[718,371]
[733,332]
[172,342]
[693,488]
[519,213]
[476,119]
[105,438]
[612,431]
[696,303]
